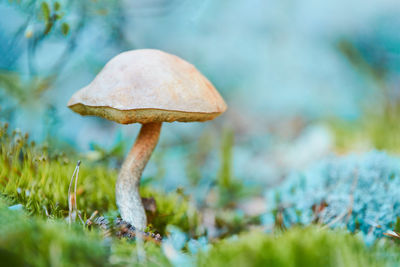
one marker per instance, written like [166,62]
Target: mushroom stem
[127,188]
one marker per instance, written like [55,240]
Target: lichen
[359,192]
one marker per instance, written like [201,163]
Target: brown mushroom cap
[149,85]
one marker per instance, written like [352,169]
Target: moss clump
[36,242]
[296,247]
[372,130]
[38,178]
[125,253]
[172,209]
[32,241]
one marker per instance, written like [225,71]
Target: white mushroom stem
[127,188]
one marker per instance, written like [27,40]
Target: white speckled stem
[127,188]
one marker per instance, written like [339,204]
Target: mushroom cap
[149,85]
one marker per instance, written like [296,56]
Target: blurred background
[303,80]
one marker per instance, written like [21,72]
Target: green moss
[374,129]
[125,253]
[36,242]
[32,241]
[38,178]
[379,123]
[297,247]
[26,240]
[172,209]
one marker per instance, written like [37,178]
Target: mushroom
[149,87]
